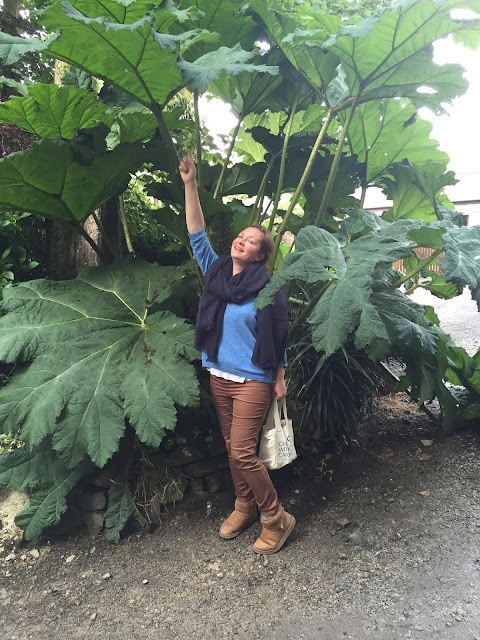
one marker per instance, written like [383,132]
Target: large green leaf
[22,469]
[390,55]
[50,111]
[317,258]
[12,48]
[121,508]
[410,201]
[461,263]
[46,179]
[386,132]
[126,54]
[48,479]
[198,74]
[47,505]
[304,49]
[246,92]
[225,17]
[96,356]
[346,306]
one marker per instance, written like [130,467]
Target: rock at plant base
[92,500]
[197,484]
[94,521]
[206,467]
[214,482]
[11,503]
[194,501]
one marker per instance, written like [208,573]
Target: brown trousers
[241,408]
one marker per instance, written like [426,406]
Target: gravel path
[459,317]
[386,547]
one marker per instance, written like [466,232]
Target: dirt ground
[387,546]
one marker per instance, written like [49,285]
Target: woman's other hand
[279,386]
[187,168]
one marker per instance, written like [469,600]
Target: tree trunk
[12,7]
[69,252]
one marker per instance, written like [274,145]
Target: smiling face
[246,248]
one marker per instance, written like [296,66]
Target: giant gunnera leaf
[96,350]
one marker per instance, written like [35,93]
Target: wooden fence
[422,252]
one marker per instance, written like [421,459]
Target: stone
[357,537]
[214,482]
[94,521]
[35,553]
[11,503]
[342,523]
[205,467]
[70,559]
[194,501]
[101,479]
[197,484]
[92,500]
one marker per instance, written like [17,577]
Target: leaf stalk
[336,161]
[299,189]
[423,263]
[227,159]
[126,230]
[198,140]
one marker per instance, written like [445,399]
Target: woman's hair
[266,243]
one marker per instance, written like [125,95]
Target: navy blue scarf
[221,288]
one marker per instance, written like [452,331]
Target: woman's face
[246,248]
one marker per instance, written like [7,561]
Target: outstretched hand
[187,168]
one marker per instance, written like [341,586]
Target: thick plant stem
[306,312]
[422,265]
[168,140]
[105,237]
[257,208]
[283,161]
[299,189]
[336,162]
[227,159]
[198,140]
[126,230]
[364,193]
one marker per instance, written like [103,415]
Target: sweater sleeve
[202,249]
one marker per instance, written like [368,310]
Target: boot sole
[230,536]
[282,541]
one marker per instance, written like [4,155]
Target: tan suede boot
[274,533]
[244,514]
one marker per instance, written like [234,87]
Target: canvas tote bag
[276,445]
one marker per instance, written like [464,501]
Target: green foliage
[50,111]
[121,508]
[50,180]
[100,350]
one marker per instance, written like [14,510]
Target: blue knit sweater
[239,331]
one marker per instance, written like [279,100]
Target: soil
[387,546]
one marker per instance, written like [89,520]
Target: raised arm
[193,210]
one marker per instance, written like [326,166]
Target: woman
[244,351]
